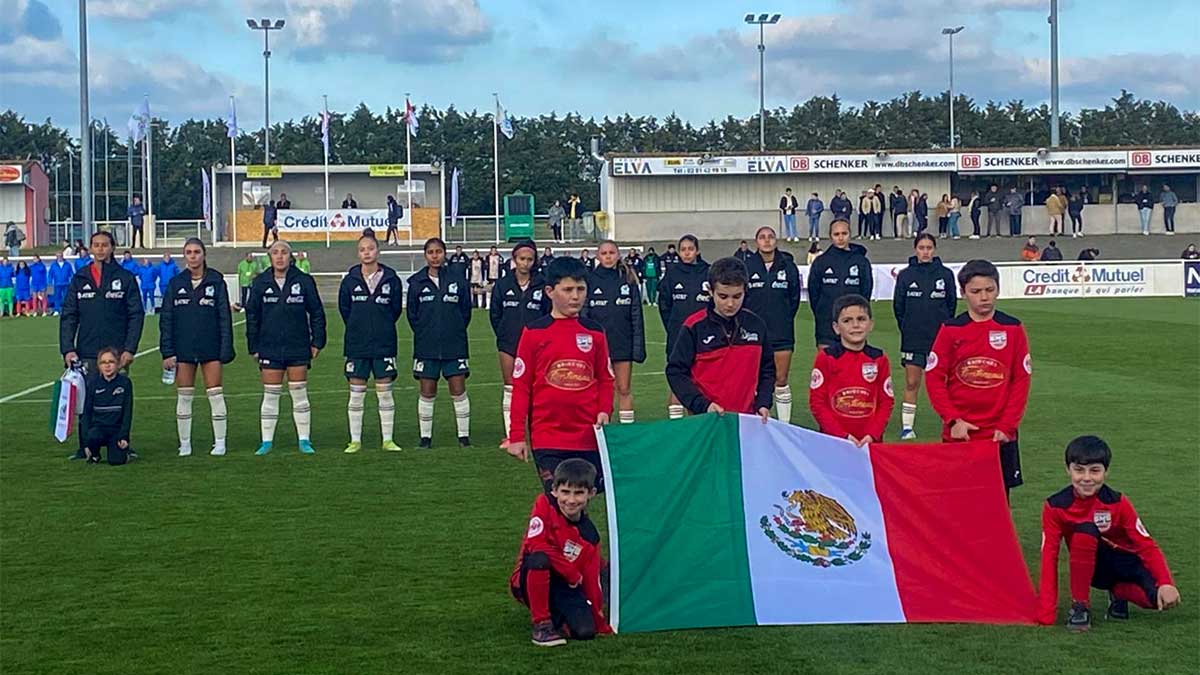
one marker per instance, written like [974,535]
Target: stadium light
[85,125]
[761,21]
[266,26]
[950,33]
[1053,21]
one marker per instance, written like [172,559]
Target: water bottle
[168,376]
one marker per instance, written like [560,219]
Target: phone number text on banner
[337,220]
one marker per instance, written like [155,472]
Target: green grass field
[378,562]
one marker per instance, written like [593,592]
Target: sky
[697,59]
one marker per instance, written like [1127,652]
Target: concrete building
[650,197]
[25,199]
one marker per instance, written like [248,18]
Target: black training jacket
[439,314]
[284,324]
[774,295]
[108,405]
[110,315]
[616,304]
[925,297]
[370,316]
[681,293]
[513,308]
[835,273]
[195,325]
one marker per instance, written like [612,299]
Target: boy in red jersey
[562,379]
[978,372]
[558,567]
[1107,545]
[722,360]
[850,394]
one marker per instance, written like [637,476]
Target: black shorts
[918,359]
[282,364]
[1010,464]
[432,369]
[784,345]
[569,607]
[1114,566]
[546,461]
[362,369]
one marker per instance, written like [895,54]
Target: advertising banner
[1057,160]
[11,173]
[1191,279]
[338,220]
[264,171]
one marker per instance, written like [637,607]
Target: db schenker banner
[337,220]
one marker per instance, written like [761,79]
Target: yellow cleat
[390,446]
[353,447]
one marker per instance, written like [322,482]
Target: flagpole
[495,164]
[232,170]
[150,170]
[325,146]
[408,157]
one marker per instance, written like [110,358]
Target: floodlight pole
[1054,134]
[85,126]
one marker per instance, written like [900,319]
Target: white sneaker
[218,451]
[974,236]
[185,451]
[1169,234]
[1147,234]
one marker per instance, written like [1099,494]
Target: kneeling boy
[850,394]
[1107,545]
[558,568]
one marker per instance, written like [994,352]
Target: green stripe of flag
[668,535]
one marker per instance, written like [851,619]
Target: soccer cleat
[264,448]
[907,434]
[77,455]
[306,446]
[1117,608]
[352,447]
[132,454]
[218,451]
[464,441]
[185,452]
[544,635]
[1080,618]
[390,446]
[504,444]
[426,443]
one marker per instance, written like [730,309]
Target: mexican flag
[726,521]
[65,403]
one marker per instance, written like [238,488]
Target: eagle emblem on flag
[816,529]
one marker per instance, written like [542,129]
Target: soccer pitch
[381,562]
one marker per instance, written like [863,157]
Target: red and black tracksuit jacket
[850,393]
[724,361]
[1108,547]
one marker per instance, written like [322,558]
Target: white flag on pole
[506,125]
[206,187]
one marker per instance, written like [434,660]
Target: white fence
[167,233]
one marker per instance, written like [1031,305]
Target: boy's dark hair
[1088,450]
[565,267]
[978,268]
[575,473]
[851,300]
[728,272]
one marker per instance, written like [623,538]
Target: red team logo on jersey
[870,371]
[1102,520]
[854,402]
[980,372]
[998,339]
[570,375]
[584,342]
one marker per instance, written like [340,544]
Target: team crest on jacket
[452,288]
[537,295]
[1102,520]
[870,371]
[584,342]
[853,270]
[624,289]
[998,339]
[116,284]
[571,550]
[781,275]
[815,529]
[940,284]
[295,289]
[209,292]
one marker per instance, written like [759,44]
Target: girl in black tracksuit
[285,329]
[925,297]
[195,332]
[517,298]
[614,300]
[107,414]
[439,310]
[841,270]
[370,301]
[773,293]
[682,292]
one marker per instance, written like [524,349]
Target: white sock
[462,415]
[675,411]
[216,406]
[269,415]
[425,416]
[506,409]
[908,414]
[301,412]
[354,410]
[387,409]
[183,416]
[783,403]
[625,416]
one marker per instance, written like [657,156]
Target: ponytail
[631,276]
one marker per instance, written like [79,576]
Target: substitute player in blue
[147,274]
[60,277]
[37,286]
[165,270]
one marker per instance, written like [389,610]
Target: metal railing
[482,229]
[167,233]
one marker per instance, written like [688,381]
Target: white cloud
[142,9]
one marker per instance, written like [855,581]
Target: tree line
[550,156]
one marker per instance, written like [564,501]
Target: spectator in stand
[13,236]
[813,251]
[921,211]
[1075,210]
[556,215]
[136,213]
[1190,253]
[881,203]
[994,202]
[954,215]
[1089,254]
[1056,206]
[1029,252]
[1013,203]
[975,207]
[574,211]
[813,209]
[1051,253]
[395,213]
[349,202]
[899,208]
[743,250]
[1145,206]
[787,208]
[283,202]
[270,215]
[1169,201]
[864,212]
[943,215]
[840,206]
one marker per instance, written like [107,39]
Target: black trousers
[569,607]
[103,437]
[1169,218]
[975,222]
[270,231]
[244,292]
[138,231]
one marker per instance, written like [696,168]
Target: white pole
[495,166]
[324,147]
[150,174]
[442,201]
[233,197]
[408,161]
